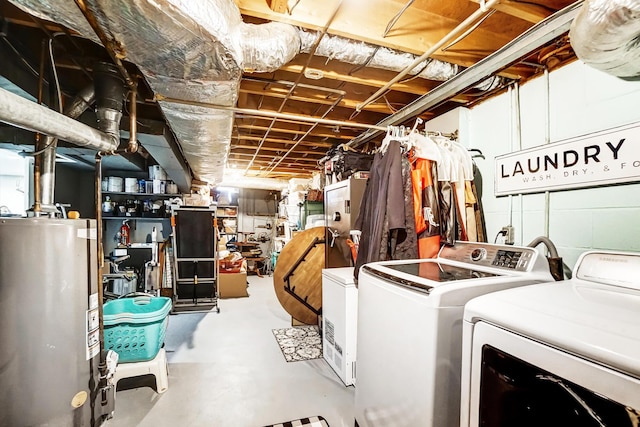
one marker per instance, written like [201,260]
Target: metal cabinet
[341,208]
[195,252]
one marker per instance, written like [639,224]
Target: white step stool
[157,367]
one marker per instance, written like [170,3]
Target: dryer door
[516,381]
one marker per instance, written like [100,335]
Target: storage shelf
[124,193]
[137,218]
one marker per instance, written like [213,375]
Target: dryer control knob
[478,254]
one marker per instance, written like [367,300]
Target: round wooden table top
[306,280]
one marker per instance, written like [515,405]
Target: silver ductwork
[360,53]
[197,50]
[29,115]
[269,46]
[185,49]
[606,36]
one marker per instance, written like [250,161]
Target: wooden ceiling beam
[278,128]
[305,142]
[296,154]
[414,32]
[268,104]
[271,159]
[280,170]
[526,11]
[345,103]
[288,124]
[275,148]
[343,72]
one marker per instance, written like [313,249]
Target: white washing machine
[410,329]
[557,354]
[339,317]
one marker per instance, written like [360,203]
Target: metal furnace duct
[196,51]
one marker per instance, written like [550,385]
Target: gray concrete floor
[226,369]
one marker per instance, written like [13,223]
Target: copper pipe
[133,124]
[100,249]
[37,161]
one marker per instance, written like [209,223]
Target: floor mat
[299,343]
[309,422]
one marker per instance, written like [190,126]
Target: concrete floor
[226,369]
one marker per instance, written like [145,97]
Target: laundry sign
[602,158]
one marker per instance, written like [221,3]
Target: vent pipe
[109,96]
[29,115]
[605,36]
[79,105]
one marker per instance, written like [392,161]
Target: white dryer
[557,354]
[410,329]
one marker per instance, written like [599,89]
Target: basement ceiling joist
[258,143]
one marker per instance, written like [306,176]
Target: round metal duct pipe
[605,36]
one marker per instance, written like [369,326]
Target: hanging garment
[446,173]
[401,240]
[476,187]
[383,209]
[470,202]
[425,194]
[426,208]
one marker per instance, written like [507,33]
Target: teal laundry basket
[135,327]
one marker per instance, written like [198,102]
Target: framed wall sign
[602,158]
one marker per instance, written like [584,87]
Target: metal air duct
[29,115]
[359,53]
[606,36]
[196,51]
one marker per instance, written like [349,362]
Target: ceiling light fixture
[313,74]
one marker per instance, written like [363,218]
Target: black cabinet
[194,253]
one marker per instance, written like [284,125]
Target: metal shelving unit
[195,251]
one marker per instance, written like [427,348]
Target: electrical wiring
[500,233]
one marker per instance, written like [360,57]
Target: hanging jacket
[383,210]
[426,207]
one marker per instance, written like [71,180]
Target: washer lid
[595,321]
[438,272]
[428,275]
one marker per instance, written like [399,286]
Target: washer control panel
[488,255]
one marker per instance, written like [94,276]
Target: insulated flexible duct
[606,36]
[358,53]
[196,51]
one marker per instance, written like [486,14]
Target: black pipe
[109,86]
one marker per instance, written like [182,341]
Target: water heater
[49,323]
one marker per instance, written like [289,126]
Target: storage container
[135,327]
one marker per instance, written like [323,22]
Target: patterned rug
[299,343]
[308,422]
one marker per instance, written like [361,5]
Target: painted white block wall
[583,100]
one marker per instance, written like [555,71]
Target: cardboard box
[232,285]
